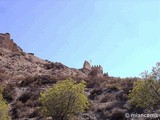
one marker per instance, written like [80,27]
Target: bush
[95,92]
[117,114]
[65,99]
[108,97]
[4,115]
[8,93]
[113,87]
[146,92]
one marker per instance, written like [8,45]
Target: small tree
[146,92]
[65,99]
[4,115]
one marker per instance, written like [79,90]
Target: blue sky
[121,35]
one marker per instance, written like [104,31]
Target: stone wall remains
[94,70]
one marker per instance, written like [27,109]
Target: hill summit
[17,64]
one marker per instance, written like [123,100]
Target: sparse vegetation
[146,92]
[117,114]
[4,115]
[37,80]
[108,97]
[65,99]
[34,90]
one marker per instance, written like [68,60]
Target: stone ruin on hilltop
[96,70]
[7,43]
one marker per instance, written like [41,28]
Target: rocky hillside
[15,64]
[25,76]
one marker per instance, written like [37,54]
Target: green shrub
[113,87]
[4,115]
[64,99]
[146,92]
